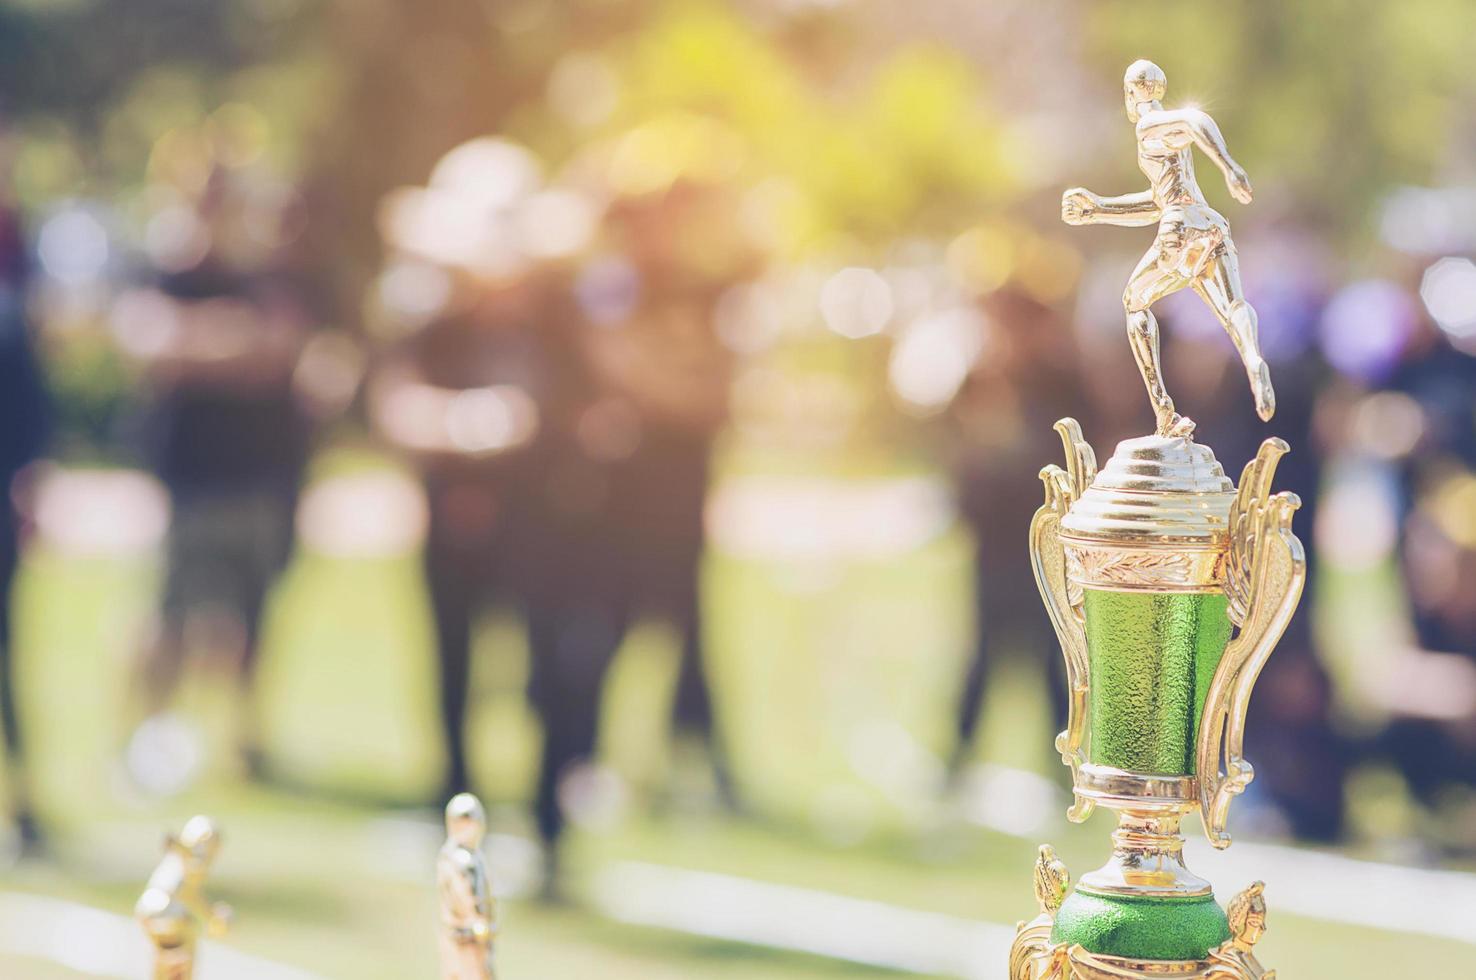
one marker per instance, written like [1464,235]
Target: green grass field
[815,666]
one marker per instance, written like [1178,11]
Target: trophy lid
[1155,489]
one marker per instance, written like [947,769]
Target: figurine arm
[214,916]
[1080,206]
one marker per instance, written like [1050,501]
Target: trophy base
[1141,928]
[1064,962]
[1093,935]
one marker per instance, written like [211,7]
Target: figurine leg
[1150,283]
[1219,287]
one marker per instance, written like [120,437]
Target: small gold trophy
[468,912]
[1168,587]
[173,907]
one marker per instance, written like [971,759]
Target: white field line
[801,920]
[1313,884]
[103,944]
[1305,883]
[1317,885]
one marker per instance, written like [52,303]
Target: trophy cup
[173,908]
[1168,587]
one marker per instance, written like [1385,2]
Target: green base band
[1152,656]
[1141,928]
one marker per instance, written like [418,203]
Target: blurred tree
[1333,101]
[96,83]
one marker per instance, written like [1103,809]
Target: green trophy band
[1152,658]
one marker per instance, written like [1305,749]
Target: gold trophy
[1168,587]
[173,907]
[468,912]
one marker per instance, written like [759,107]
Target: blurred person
[563,438]
[1432,736]
[24,407]
[1028,378]
[463,397]
[1301,759]
[624,479]
[219,335]
[480,391]
[662,377]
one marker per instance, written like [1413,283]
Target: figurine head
[466,821]
[1143,82]
[199,840]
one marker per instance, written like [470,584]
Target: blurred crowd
[557,349]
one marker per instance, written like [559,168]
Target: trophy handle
[1033,956]
[1264,578]
[1063,602]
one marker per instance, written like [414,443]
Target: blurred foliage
[1338,99]
[860,126]
[862,136]
[96,84]
[898,148]
[92,392]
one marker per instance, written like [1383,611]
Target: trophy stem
[1147,858]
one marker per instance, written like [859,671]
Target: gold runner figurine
[468,912]
[173,907]
[1193,247]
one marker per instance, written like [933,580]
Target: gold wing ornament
[1235,959]
[1264,577]
[1052,881]
[1063,601]
[1032,956]
[1247,916]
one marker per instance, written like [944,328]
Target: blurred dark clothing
[24,406]
[665,378]
[488,532]
[16,783]
[1301,761]
[226,549]
[502,501]
[475,348]
[1430,752]
[1027,381]
[230,441]
[1442,380]
[203,436]
[633,543]
[595,521]
[24,430]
